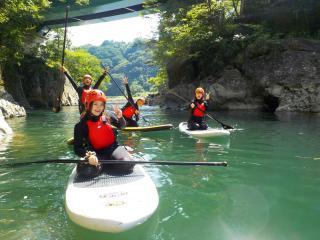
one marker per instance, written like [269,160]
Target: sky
[125,30]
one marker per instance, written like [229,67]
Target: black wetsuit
[116,152]
[196,122]
[79,89]
[130,121]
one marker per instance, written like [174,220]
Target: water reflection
[268,191]
[5,141]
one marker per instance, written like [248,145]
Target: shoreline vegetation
[245,63]
[263,56]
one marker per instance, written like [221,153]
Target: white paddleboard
[210,132]
[111,203]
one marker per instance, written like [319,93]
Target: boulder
[9,107]
[4,127]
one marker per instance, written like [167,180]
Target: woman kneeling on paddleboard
[95,137]
[86,86]
[131,109]
[198,108]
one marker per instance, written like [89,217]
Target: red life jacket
[199,110]
[129,111]
[100,135]
[84,95]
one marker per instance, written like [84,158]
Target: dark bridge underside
[93,16]
[97,11]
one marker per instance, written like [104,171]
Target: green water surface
[270,190]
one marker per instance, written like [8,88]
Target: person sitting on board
[198,108]
[95,137]
[86,85]
[131,109]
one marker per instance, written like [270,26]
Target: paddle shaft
[207,114]
[119,88]
[57,102]
[65,36]
[174,163]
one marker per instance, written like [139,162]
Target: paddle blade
[56,105]
[227,127]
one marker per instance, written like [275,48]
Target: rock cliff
[278,75]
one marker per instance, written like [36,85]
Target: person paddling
[95,138]
[198,109]
[131,109]
[86,86]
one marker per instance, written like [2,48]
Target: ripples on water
[269,191]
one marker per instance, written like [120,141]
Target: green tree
[136,89]
[202,31]
[160,79]
[206,32]
[51,51]
[18,23]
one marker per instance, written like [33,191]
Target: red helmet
[95,95]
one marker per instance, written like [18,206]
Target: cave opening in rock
[270,103]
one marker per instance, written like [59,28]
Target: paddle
[132,104]
[57,106]
[174,163]
[65,36]
[225,126]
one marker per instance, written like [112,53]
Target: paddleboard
[138,129]
[210,132]
[111,203]
[148,128]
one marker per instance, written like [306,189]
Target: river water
[270,190]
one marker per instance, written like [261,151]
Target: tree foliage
[160,79]
[56,3]
[131,59]
[196,30]
[18,23]
[51,50]
[208,32]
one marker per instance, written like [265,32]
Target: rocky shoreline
[5,129]
[10,108]
[279,75]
